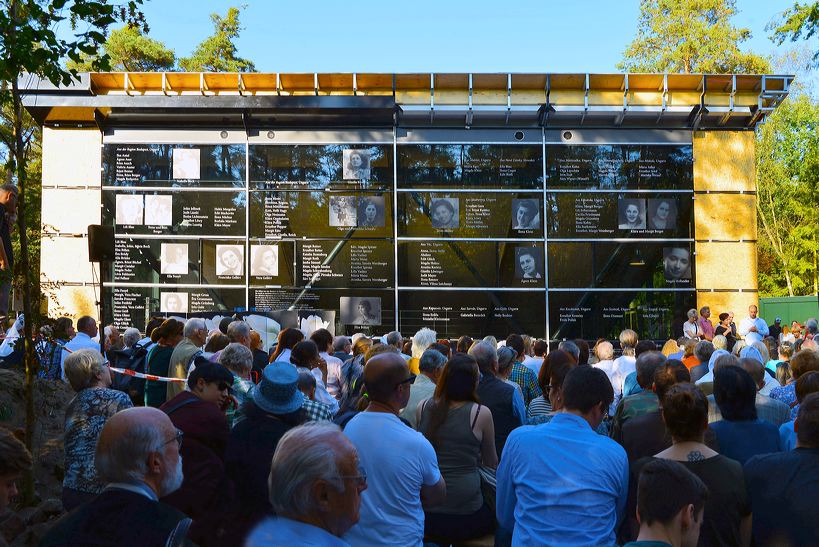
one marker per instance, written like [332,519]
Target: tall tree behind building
[218,52]
[799,22]
[129,49]
[690,36]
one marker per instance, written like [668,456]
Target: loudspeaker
[100,243]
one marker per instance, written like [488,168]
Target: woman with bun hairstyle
[165,337]
[727,517]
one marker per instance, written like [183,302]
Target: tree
[799,20]
[690,36]
[217,53]
[31,44]
[130,50]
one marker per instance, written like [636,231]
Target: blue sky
[429,35]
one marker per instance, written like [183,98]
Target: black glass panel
[656,315]
[615,167]
[320,214]
[346,263]
[175,213]
[477,313]
[321,166]
[224,262]
[590,215]
[156,261]
[621,265]
[271,263]
[472,215]
[173,165]
[447,264]
[470,165]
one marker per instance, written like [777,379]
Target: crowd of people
[710,439]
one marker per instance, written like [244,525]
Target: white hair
[304,455]
[238,329]
[605,351]
[131,336]
[423,339]
[193,325]
[125,458]
[236,357]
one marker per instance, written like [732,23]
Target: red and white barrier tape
[129,372]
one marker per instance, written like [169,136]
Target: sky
[429,35]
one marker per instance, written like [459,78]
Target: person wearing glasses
[137,458]
[88,373]
[401,466]
[195,335]
[205,494]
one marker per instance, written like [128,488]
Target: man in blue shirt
[562,483]
[86,331]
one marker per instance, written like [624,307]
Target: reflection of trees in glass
[153,164]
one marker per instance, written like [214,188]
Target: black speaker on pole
[100,243]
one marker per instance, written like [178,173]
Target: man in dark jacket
[206,494]
[138,457]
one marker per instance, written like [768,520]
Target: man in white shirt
[533,363]
[86,331]
[400,464]
[753,328]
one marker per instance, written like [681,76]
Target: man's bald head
[382,375]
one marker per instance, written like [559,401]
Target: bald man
[138,457]
[400,464]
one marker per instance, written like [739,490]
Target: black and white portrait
[343,211]
[360,310]
[173,258]
[230,260]
[173,302]
[159,210]
[528,263]
[631,213]
[264,260]
[662,214]
[129,209]
[356,164]
[371,211]
[677,265]
[186,163]
[444,213]
[525,214]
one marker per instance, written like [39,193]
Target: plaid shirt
[631,407]
[316,411]
[526,379]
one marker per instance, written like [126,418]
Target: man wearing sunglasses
[199,414]
[400,464]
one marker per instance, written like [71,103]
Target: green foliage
[798,21]
[217,53]
[130,50]
[690,36]
[788,198]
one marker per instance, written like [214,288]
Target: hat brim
[293,404]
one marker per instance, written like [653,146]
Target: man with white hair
[195,333]
[315,487]
[131,338]
[423,339]
[138,458]
[605,356]
[395,339]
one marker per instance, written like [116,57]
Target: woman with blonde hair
[88,373]
[670,347]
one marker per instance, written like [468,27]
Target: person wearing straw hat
[273,407]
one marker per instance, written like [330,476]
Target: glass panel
[156,261]
[346,263]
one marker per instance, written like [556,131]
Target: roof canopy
[260,100]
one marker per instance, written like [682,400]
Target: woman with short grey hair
[238,359]
[691,329]
[88,373]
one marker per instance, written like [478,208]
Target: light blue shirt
[284,531]
[787,436]
[561,483]
[518,406]
[80,341]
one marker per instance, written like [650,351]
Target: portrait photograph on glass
[173,302]
[528,262]
[525,214]
[173,258]
[677,265]
[662,214]
[159,210]
[371,211]
[444,213]
[229,260]
[356,164]
[343,211]
[264,261]
[186,163]
[631,213]
[364,311]
[129,209]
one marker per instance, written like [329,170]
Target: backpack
[135,359]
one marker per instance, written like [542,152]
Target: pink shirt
[707,328]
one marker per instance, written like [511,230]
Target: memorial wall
[381,229]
